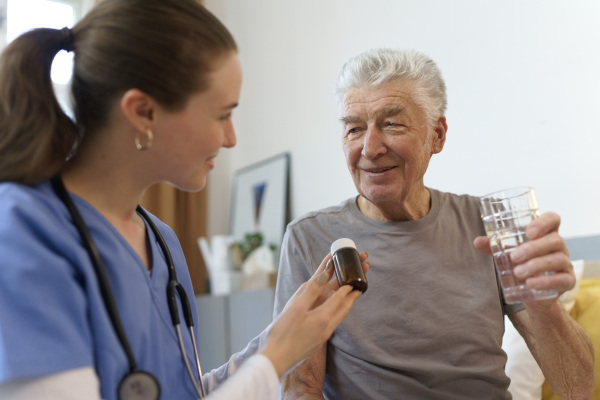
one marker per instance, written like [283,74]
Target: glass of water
[505,215]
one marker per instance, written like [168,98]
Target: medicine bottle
[348,267]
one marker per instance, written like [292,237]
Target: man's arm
[295,267]
[561,348]
[306,380]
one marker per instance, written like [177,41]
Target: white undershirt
[256,379]
[81,383]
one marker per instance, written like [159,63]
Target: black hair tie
[67,39]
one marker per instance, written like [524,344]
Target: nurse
[154,85]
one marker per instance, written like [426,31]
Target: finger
[329,309]
[323,278]
[338,297]
[326,277]
[331,287]
[317,276]
[550,243]
[560,282]
[329,265]
[337,307]
[312,290]
[343,309]
[544,224]
[333,282]
[319,279]
[482,243]
[322,266]
[365,265]
[329,268]
[553,262]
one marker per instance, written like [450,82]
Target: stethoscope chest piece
[139,385]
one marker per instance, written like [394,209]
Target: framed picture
[261,200]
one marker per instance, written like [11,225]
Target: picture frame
[260,201]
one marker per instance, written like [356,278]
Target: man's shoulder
[459,209]
[323,215]
[456,200]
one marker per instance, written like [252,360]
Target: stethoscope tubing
[174,287]
[105,288]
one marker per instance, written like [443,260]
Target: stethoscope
[137,384]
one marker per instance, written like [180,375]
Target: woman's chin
[194,185]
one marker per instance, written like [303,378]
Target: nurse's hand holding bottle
[310,317]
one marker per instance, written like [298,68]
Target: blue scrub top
[52,317]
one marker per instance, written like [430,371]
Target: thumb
[482,243]
[311,290]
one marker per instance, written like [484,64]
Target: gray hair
[375,67]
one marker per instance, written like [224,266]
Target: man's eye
[392,123]
[354,130]
[226,117]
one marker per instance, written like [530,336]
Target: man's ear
[139,109]
[440,131]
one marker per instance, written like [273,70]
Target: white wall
[523,81]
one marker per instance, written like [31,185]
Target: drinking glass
[505,215]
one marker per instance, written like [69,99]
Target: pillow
[522,369]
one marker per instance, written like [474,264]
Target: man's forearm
[307,379]
[563,350]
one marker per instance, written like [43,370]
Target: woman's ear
[139,109]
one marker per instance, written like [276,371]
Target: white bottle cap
[341,244]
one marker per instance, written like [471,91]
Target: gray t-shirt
[430,324]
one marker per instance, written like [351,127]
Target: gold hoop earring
[149,139]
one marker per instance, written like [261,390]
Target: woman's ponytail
[36,136]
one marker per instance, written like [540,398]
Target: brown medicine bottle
[348,267]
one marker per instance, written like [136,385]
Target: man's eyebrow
[350,120]
[390,111]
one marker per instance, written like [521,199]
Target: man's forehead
[388,98]
[398,93]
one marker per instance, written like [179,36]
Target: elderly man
[430,325]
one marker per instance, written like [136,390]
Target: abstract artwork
[260,199]
[259,191]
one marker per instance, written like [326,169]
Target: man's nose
[374,143]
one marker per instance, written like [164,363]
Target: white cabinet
[228,322]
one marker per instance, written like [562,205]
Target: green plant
[251,242]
